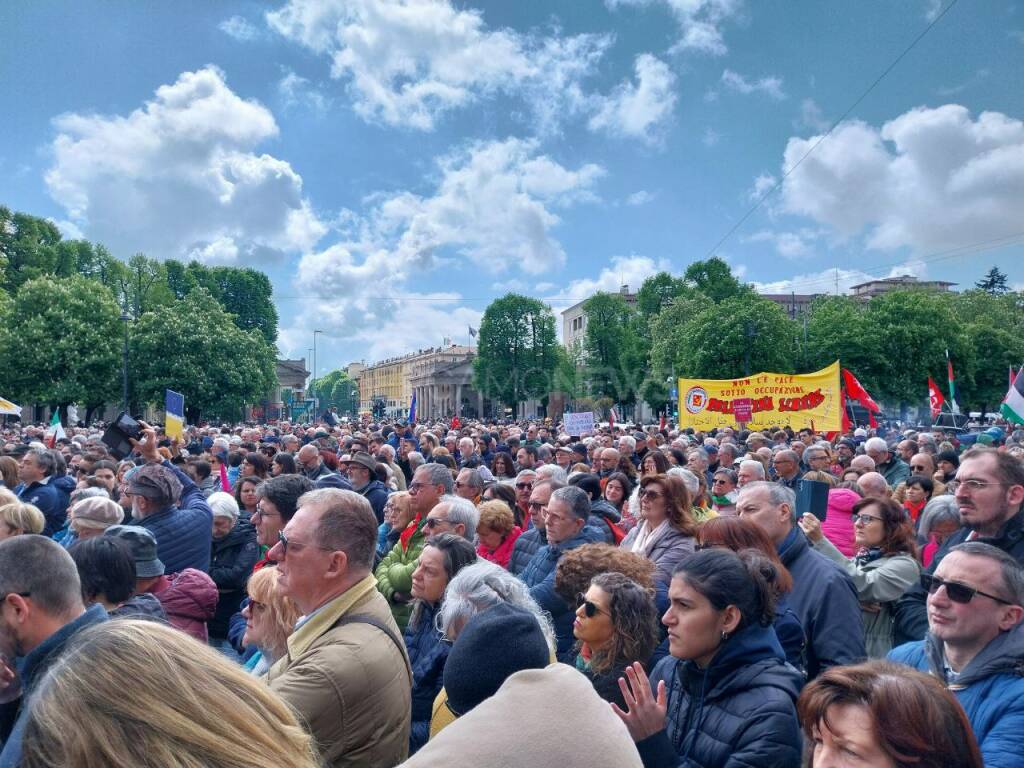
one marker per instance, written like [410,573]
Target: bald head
[873,484]
[862,464]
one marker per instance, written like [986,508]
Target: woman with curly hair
[577,568]
[496,532]
[617,490]
[616,624]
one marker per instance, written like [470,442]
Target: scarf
[914,510]
[406,536]
[646,538]
[865,555]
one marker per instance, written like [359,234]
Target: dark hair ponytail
[745,579]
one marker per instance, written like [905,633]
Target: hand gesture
[147,447]
[646,715]
[811,526]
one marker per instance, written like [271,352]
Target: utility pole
[124,364]
[316,394]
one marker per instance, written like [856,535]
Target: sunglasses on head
[958,593]
[590,610]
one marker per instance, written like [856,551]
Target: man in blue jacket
[566,527]
[169,505]
[37,488]
[40,612]
[975,644]
[823,596]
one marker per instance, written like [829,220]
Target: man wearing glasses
[975,643]
[535,536]
[346,673]
[989,491]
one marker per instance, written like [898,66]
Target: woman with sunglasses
[654,463]
[442,557]
[668,528]
[269,617]
[724,492]
[726,696]
[883,568]
[616,624]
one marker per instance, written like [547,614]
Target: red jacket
[503,553]
[190,600]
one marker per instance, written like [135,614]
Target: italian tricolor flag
[1013,404]
[55,431]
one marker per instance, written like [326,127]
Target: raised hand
[646,713]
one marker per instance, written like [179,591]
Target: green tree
[143,286]
[994,282]
[60,343]
[840,328]
[28,246]
[608,337]
[337,390]
[193,347]
[516,353]
[657,292]
[715,280]
[718,340]
[1002,347]
[244,293]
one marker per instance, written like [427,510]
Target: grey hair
[473,477]
[689,479]
[815,451]
[757,465]
[778,494]
[415,459]
[524,473]
[939,509]
[484,585]
[552,472]
[576,498]
[41,568]
[701,454]
[44,459]
[631,442]
[438,474]
[876,444]
[1012,571]
[461,510]
[389,450]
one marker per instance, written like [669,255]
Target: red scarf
[914,510]
[410,529]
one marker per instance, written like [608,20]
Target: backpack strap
[362,618]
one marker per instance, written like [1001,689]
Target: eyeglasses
[971,485]
[719,481]
[415,487]
[285,543]
[918,468]
[648,493]
[460,484]
[957,592]
[864,519]
[536,505]
[590,609]
[433,522]
[261,512]
[19,594]
[255,606]
[524,486]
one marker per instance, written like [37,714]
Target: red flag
[611,418]
[661,422]
[846,412]
[935,398]
[858,393]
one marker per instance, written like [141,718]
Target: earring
[725,636]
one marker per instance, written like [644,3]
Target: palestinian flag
[1013,404]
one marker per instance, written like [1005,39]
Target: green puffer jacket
[394,574]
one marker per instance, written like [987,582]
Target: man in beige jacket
[346,672]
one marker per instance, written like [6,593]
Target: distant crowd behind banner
[769,399]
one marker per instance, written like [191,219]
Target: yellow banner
[772,399]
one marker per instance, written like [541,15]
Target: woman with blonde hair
[17,518]
[189,706]
[497,532]
[269,619]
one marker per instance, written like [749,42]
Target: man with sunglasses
[989,490]
[975,644]
[535,536]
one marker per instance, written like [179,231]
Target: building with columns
[441,377]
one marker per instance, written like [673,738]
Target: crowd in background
[377,594]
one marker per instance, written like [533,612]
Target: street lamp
[125,318]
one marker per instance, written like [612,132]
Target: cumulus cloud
[623,270]
[931,179]
[770,85]
[406,64]
[639,109]
[240,29]
[178,177]
[297,91]
[827,280]
[700,22]
[640,197]
[811,117]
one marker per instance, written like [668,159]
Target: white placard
[578,424]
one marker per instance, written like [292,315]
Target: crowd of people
[384,594]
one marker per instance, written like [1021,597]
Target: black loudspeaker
[812,496]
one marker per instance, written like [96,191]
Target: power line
[778,184]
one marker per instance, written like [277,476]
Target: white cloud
[827,280]
[700,22]
[762,184]
[296,90]
[811,117]
[791,245]
[770,86]
[623,270]
[932,9]
[640,197]
[641,109]
[931,179]
[179,178]
[711,137]
[240,29]
[68,229]
[407,63]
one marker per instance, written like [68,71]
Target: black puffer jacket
[740,711]
[231,562]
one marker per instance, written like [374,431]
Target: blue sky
[395,166]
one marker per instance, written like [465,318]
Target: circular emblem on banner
[696,399]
